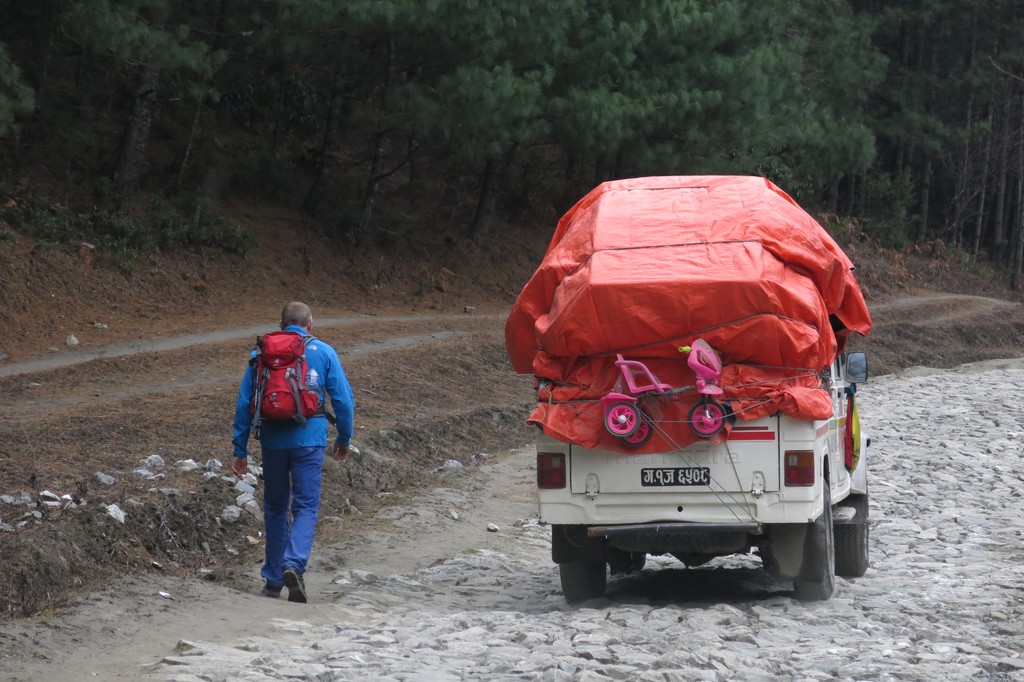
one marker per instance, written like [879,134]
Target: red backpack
[281,393]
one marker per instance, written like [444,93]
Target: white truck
[789,488]
[753,441]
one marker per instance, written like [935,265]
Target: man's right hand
[240,465]
[340,452]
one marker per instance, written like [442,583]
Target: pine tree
[16,98]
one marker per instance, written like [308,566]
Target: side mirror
[856,368]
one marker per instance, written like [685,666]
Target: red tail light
[799,467]
[550,470]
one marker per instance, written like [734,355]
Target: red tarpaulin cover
[644,266]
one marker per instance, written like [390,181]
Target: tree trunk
[571,182]
[960,182]
[188,147]
[926,184]
[962,179]
[481,226]
[601,171]
[1002,163]
[35,129]
[277,116]
[370,196]
[495,172]
[136,135]
[1018,230]
[412,179]
[365,230]
[335,113]
[982,181]
[832,196]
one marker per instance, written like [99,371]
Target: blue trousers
[290,476]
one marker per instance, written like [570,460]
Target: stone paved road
[942,601]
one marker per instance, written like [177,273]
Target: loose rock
[115,513]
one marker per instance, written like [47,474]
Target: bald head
[297,313]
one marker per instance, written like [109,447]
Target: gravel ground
[942,599]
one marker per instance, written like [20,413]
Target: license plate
[675,476]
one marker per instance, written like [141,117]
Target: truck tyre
[852,556]
[818,574]
[583,580]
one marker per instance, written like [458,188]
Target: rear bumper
[677,538]
[672,529]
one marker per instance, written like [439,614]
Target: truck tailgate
[749,459]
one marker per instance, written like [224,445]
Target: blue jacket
[283,436]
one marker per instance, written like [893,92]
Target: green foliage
[47,223]
[889,195]
[482,75]
[152,224]
[660,86]
[804,81]
[144,31]
[951,96]
[817,96]
[260,172]
[968,263]
[888,234]
[841,228]
[891,234]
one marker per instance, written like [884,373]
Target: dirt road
[58,359]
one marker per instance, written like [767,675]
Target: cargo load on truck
[641,270]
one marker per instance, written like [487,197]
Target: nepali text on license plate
[675,476]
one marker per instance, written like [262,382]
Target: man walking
[293,456]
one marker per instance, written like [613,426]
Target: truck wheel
[583,580]
[818,577]
[852,540]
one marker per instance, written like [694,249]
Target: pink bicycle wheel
[707,418]
[643,433]
[621,419]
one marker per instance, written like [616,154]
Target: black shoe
[296,587]
[271,591]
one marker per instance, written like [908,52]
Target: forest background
[124,122]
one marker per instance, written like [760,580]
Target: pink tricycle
[707,417]
[623,418]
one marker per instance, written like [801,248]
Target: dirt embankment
[166,337]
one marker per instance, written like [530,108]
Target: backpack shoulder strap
[257,351]
[322,408]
